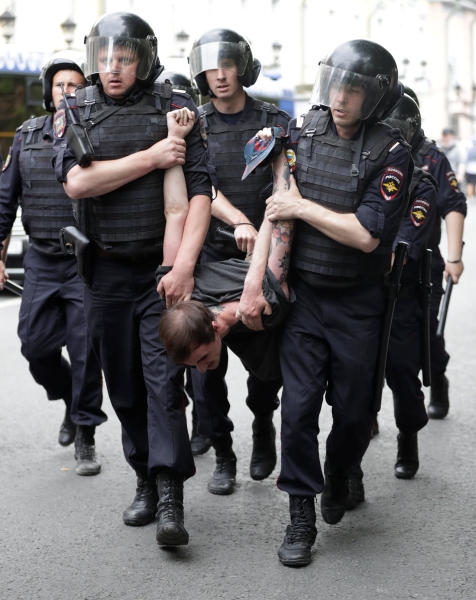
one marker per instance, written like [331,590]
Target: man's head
[121,49]
[448,137]
[221,62]
[407,118]
[66,67]
[190,335]
[357,81]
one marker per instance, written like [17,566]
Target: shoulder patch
[291,156]
[419,212]
[394,146]
[8,160]
[451,177]
[59,123]
[391,183]
[203,131]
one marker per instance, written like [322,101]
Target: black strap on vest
[356,162]
[163,97]
[89,102]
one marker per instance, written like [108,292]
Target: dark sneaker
[407,463]
[199,443]
[335,494]
[295,551]
[170,526]
[144,506]
[224,477]
[263,456]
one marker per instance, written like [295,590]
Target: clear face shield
[132,56]
[352,93]
[231,56]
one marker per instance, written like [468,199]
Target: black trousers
[211,392]
[403,367]
[52,316]
[438,354]
[123,313]
[329,346]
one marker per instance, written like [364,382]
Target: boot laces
[300,525]
[223,464]
[169,505]
[144,489]
[85,445]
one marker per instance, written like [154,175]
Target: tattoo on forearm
[284,265]
[275,181]
[283,232]
[286,175]
[216,310]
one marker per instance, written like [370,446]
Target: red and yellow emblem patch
[419,212]
[452,180]
[59,123]
[391,183]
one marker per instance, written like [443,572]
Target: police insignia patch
[390,183]
[452,180]
[59,123]
[203,132]
[291,156]
[8,160]
[419,212]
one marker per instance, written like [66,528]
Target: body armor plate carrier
[226,144]
[46,208]
[335,172]
[134,211]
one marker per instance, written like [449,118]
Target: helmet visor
[119,55]
[231,56]
[352,93]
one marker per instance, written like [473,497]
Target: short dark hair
[185,327]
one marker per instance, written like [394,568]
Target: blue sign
[22,62]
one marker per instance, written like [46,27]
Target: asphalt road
[62,536]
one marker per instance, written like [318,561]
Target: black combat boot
[223,480]
[356,487]
[407,456]
[295,551]
[335,494]
[439,400]
[170,527]
[263,456]
[144,506]
[199,443]
[67,431]
[85,451]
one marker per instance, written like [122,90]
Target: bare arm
[245,235]
[179,124]
[454,231]
[270,249]
[343,228]
[102,177]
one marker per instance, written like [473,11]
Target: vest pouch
[80,144]
[75,242]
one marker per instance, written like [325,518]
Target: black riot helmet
[407,118]
[358,68]
[222,49]
[119,41]
[67,60]
[409,92]
[179,82]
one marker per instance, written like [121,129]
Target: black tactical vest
[46,208]
[134,211]
[335,173]
[225,145]
[422,151]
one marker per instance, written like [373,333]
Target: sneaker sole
[88,473]
[221,492]
[295,563]
[138,522]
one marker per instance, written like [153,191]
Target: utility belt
[127,259]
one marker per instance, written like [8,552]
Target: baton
[444,307]
[225,234]
[393,287]
[425,292]
[13,287]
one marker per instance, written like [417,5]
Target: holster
[74,242]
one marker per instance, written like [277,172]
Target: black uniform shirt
[11,191]
[376,214]
[449,199]
[195,170]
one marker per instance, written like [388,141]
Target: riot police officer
[222,64]
[451,206]
[404,358]
[119,205]
[51,313]
[352,175]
